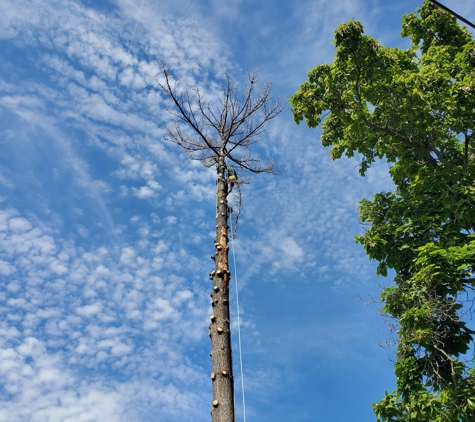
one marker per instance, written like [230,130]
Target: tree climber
[232,179]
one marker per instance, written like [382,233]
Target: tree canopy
[415,108]
[227,128]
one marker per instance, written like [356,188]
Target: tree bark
[222,409]
[209,132]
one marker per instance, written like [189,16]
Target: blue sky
[106,230]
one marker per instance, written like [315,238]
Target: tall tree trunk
[236,120]
[220,331]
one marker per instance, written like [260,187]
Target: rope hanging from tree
[233,235]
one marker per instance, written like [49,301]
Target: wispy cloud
[106,230]
[68,311]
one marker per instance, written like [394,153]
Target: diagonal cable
[453,13]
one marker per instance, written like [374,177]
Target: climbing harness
[235,199]
[232,179]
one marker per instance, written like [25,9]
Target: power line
[453,13]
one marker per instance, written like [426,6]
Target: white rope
[238,323]
[131,41]
[135,29]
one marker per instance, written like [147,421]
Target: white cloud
[6,268]
[89,310]
[291,249]
[82,230]
[154,185]
[63,332]
[6,182]
[171,219]
[19,224]
[144,192]
[113,295]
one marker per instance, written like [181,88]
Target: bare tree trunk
[210,133]
[220,331]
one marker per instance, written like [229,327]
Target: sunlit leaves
[416,109]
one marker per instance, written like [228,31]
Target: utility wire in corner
[453,13]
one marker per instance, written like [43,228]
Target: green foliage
[416,109]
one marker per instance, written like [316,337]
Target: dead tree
[217,135]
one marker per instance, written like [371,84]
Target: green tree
[415,108]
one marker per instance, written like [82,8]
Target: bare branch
[227,129]
[184,105]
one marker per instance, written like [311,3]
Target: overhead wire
[453,13]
